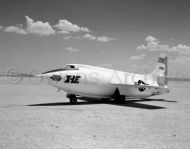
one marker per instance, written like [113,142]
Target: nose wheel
[72,98]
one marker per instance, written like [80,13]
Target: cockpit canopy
[70,67]
[67,67]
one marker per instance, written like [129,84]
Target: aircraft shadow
[66,103]
[129,103]
[135,104]
[152,99]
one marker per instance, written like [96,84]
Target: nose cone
[44,75]
[41,75]
[51,76]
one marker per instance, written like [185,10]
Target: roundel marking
[142,88]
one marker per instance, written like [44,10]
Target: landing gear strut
[72,98]
[118,98]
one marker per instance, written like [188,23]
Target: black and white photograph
[94,74]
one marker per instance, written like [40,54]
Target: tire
[72,98]
[120,99]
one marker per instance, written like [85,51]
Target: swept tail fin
[160,72]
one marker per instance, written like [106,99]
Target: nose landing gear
[72,98]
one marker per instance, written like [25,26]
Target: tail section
[161,70]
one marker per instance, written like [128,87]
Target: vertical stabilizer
[161,70]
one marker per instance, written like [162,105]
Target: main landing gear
[118,98]
[72,98]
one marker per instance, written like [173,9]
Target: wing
[140,90]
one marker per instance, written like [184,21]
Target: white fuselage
[99,82]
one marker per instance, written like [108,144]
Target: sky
[128,35]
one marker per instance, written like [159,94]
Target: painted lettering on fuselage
[72,79]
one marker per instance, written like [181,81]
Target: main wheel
[121,99]
[117,97]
